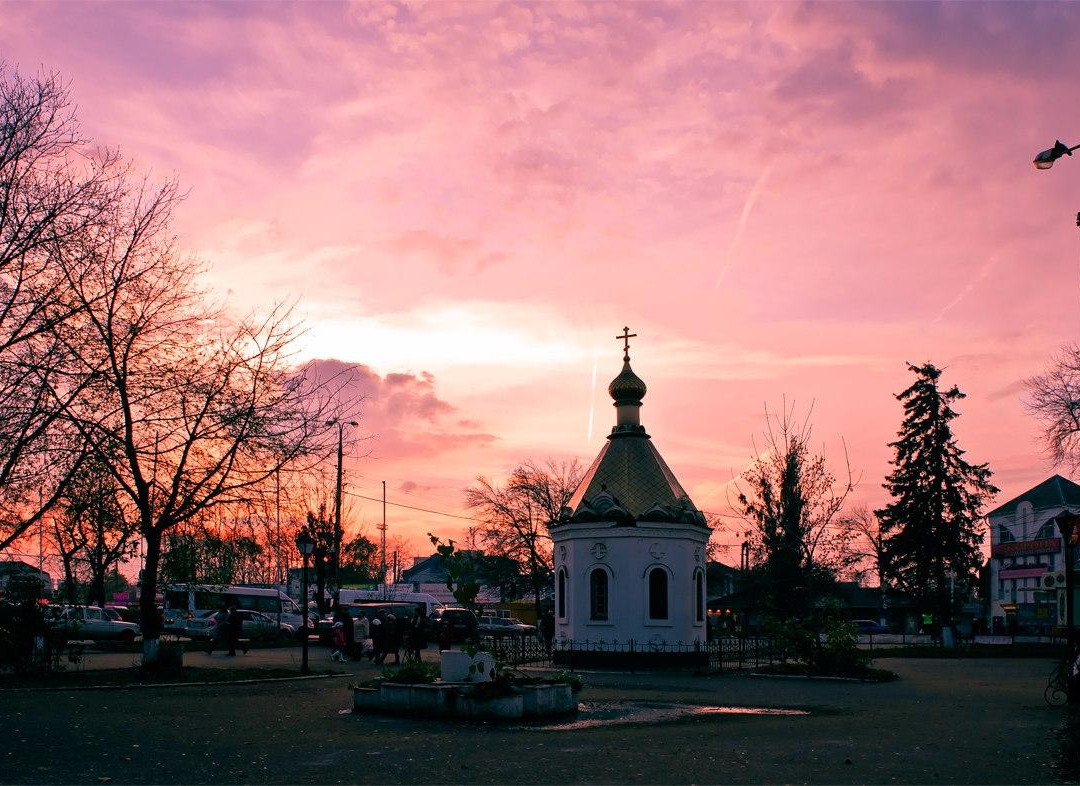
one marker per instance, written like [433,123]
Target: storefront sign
[1041,546]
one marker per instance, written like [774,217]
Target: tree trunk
[148,613]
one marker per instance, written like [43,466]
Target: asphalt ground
[944,721]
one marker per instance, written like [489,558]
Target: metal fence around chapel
[729,653]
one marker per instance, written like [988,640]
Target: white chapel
[630,545]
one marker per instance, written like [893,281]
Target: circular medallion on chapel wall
[598,550]
[656,550]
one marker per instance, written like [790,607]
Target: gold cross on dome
[626,336]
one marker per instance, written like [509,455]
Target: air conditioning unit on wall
[1054,580]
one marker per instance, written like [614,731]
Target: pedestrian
[361,638]
[338,653]
[547,627]
[234,624]
[399,627]
[219,634]
[378,639]
[416,636]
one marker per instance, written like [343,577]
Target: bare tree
[791,501]
[514,518]
[189,408]
[1054,399]
[863,548]
[56,190]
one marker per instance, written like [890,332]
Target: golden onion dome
[628,387]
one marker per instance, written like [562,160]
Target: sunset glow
[786,202]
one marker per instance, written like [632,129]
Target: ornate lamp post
[305,544]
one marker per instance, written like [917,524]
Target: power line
[411,507]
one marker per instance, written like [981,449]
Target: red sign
[1041,546]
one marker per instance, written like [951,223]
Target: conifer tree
[930,529]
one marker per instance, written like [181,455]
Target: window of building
[699,596]
[1047,530]
[658,592]
[1004,535]
[1001,590]
[562,594]
[1051,561]
[598,594]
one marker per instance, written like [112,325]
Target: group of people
[227,627]
[379,637]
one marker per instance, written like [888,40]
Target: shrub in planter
[412,674]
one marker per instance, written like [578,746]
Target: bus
[430,602]
[187,601]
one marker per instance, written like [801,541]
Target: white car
[254,625]
[90,622]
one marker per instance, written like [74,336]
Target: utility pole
[382,537]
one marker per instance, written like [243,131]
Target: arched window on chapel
[658,594]
[598,594]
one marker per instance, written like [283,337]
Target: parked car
[505,626]
[253,625]
[869,626]
[91,622]
[454,624]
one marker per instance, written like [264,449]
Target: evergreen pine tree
[930,528]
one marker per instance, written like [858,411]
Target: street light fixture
[1046,158]
[335,551]
[305,544]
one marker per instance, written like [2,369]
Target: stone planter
[458,666]
[459,700]
[496,707]
[543,700]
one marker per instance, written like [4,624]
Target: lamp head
[1046,158]
[305,544]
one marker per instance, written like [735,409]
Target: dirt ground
[944,721]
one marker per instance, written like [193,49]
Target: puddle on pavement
[594,715]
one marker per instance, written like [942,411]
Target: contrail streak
[740,227]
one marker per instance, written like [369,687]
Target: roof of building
[17,566]
[1054,492]
[629,481]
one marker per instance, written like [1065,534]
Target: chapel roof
[630,481]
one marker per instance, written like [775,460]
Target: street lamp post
[335,552]
[1068,524]
[305,544]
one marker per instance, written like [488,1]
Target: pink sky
[472,199]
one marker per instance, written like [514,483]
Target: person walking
[338,653]
[235,624]
[547,627]
[220,634]
[416,637]
[378,639]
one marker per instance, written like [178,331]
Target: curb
[130,686]
[812,677]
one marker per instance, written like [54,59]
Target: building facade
[629,548]
[1027,559]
